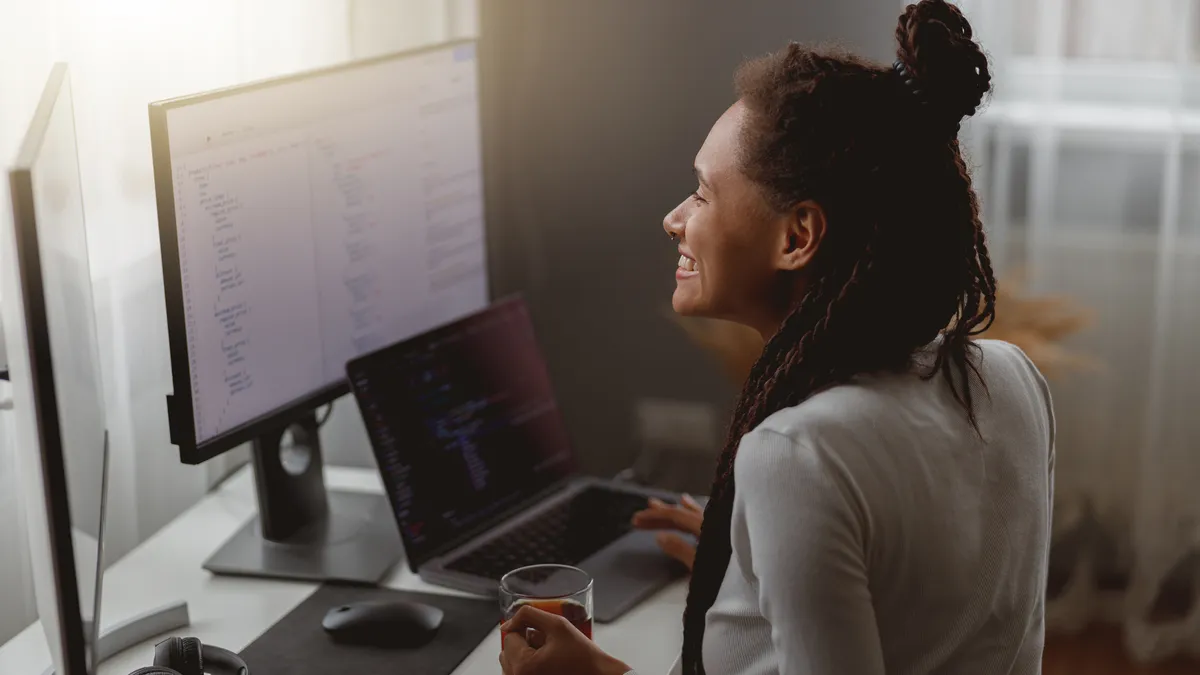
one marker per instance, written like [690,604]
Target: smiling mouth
[687,264]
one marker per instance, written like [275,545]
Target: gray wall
[593,113]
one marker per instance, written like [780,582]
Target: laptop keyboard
[566,534]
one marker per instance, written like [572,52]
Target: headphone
[186,656]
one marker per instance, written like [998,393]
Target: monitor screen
[464,424]
[55,359]
[316,217]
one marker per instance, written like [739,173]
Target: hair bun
[946,64]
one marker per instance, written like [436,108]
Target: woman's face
[735,250]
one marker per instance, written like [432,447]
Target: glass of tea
[558,589]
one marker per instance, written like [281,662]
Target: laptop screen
[464,424]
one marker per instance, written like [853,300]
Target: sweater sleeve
[805,530]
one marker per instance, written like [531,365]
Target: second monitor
[304,221]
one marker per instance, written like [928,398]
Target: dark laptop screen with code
[464,425]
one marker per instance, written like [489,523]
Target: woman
[883,501]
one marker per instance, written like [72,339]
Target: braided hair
[903,261]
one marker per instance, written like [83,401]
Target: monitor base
[356,543]
[136,630]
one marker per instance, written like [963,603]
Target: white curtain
[123,54]
[1088,160]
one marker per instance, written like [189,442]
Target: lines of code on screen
[464,423]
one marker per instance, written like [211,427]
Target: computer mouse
[383,624]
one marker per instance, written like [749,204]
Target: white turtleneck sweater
[875,532]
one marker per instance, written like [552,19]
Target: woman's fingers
[514,651]
[532,617]
[663,516]
[653,519]
[678,548]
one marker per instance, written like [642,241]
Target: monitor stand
[134,631]
[301,531]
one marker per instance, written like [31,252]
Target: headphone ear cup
[182,655]
[192,659]
[166,653]
[154,670]
[224,662]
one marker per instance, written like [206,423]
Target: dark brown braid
[903,260]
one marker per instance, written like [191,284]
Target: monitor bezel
[71,630]
[180,411]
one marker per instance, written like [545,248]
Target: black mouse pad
[297,645]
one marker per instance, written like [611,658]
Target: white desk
[232,612]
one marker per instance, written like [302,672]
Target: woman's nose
[673,223]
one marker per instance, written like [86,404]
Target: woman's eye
[696,196]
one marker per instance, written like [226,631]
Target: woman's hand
[685,517]
[560,649]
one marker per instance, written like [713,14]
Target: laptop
[481,473]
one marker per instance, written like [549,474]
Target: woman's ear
[803,230]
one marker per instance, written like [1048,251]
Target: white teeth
[687,264]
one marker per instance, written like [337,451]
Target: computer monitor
[58,397]
[303,221]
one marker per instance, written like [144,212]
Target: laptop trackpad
[627,572]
